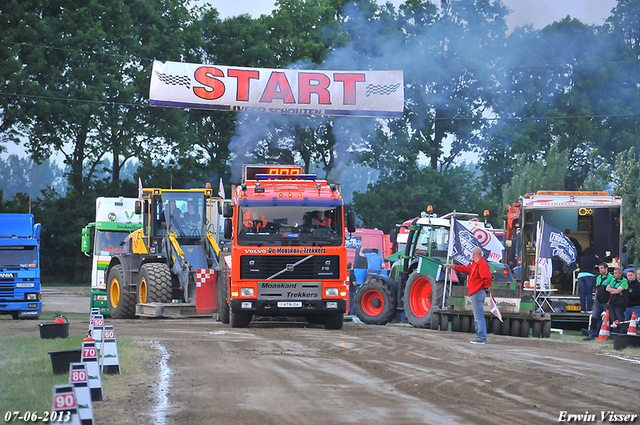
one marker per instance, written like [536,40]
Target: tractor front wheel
[422,295]
[375,302]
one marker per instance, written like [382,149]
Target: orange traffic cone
[632,325]
[604,329]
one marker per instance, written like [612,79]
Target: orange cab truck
[287,254]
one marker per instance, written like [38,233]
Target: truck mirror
[227,211]
[228,228]
[138,207]
[351,221]
[86,240]
[36,231]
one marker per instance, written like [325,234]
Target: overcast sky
[539,13]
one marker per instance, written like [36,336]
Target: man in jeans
[601,298]
[478,281]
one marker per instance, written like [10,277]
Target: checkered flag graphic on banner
[382,90]
[204,275]
[174,80]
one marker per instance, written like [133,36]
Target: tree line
[489,114]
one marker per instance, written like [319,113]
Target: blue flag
[461,244]
[553,243]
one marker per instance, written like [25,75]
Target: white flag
[494,307]
[139,188]
[487,240]
[221,190]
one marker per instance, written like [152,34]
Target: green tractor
[416,282]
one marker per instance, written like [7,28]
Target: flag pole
[448,276]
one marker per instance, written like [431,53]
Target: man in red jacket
[478,281]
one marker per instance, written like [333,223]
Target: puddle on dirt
[162,390]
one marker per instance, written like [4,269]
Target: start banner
[278,91]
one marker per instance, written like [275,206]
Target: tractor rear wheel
[375,302]
[422,295]
[122,303]
[154,285]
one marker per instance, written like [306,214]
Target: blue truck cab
[20,291]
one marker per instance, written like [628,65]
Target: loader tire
[223,303]
[154,285]
[422,296]
[375,303]
[122,303]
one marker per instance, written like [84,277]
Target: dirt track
[290,373]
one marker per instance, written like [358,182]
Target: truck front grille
[290,267]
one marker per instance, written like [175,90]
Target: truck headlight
[332,304]
[331,292]
[246,305]
[32,297]
[246,292]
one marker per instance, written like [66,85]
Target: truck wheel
[375,302]
[239,319]
[524,329]
[154,285]
[536,329]
[455,323]
[223,304]
[546,329]
[465,323]
[122,303]
[435,321]
[421,295]
[495,326]
[334,321]
[515,327]
[505,327]
[444,322]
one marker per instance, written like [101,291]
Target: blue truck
[20,291]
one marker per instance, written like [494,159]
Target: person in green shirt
[617,290]
[601,298]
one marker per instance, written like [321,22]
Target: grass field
[26,373]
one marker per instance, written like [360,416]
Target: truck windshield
[108,242]
[18,257]
[292,225]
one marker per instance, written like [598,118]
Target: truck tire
[546,329]
[444,322]
[422,295]
[515,327]
[495,326]
[435,321]
[505,327]
[154,285]
[455,323]
[524,329]
[122,303]
[536,329]
[334,321]
[239,319]
[375,302]
[465,323]
[223,304]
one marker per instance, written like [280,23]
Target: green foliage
[626,179]
[545,173]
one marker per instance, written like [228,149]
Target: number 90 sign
[64,401]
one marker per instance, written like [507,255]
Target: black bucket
[60,360]
[54,330]
[621,341]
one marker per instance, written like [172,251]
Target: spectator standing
[618,290]
[574,241]
[375,263]
[601,298]
[587,279]
[353,287]
[633,299]
[478,283]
